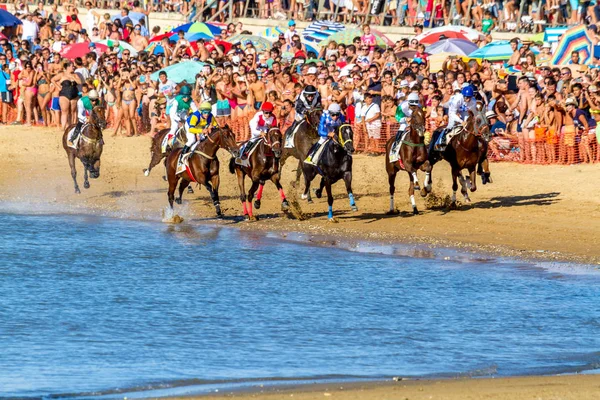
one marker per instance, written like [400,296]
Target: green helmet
[185,91]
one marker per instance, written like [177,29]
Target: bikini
[130,89]
[40,83]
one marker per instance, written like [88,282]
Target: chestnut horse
[264,164]
[203,165]
[89,148]
[467,150]
[413,156]
[156,153]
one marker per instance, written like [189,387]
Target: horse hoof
[415,211]
[304,196]
[190,190]
[257,204]
[453,206]
[354,208]
[333,220]
[146,172]
[318,193]
[473,189]
[392,212]
[285,205]
[165,178]
[423,193]
[77,191]
[253,218]
[220,215]
[310,201]
[178,200]
[86,185]
[417,187]
[467,200]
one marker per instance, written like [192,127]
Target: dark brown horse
[413,156]
[264,164]
[156,153]
[203,165]
[334,164]
[467,150]
[89,148]
[304,139]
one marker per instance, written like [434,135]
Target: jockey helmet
[93,95]
[205,106]
[334,108]
[185,91]
[268,107]
[468,91]
[310,89]
[413,99]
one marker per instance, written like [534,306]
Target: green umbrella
[122,45]
[347,35]
[259,43]
[182,71]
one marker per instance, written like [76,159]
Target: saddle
[183,165]
[246,162]
[317,156]
[453,132]
[289,138]
[75,144]
[169,142]
[396,146]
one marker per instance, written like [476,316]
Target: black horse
[305,137]
[334,164]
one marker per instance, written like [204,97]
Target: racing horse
[334,164]
[413,156]
[467,150]
[89,148]
[203,165]
[304,139]
[263,165]
[156,153]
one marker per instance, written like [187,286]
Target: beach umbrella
[208,30]
[182,71]
[122,45]
[436,61]
[321,30]
[8,19]
[73,51]
[496,51]
[471,34]
[552,35]
[155,48]
[410,54]
[259,43]
[383,37]
[574,39]
[454,46]
[272,32]
[159,38]
[347,36]
[538,37]
[437,36]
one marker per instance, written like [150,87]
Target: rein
[211,140]
[266,138]
[341,140]
[412,144]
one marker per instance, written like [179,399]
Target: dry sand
[549,212]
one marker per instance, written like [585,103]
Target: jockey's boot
[76,132]
[441,142]
[312,153]
[247,150]
[184,151]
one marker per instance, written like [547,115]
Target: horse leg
[251,192]
[184,183]
[329,202]
[428,168]
[240,177]
[463,187]
[348,182]
[319,191]
[284,203]
[411,194]
[73,171]
[392,183]
[156,156]
[213,190]
[485,164]
[307,180]
[454,188]
[261,187]
[86,183]
[471,180]
[299,172]
[416,180]
[173,179]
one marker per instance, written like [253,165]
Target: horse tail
[232,165]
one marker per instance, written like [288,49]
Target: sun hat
[490,114]
[312,71]
[593,88]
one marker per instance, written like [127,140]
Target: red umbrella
[161,37]
[225,45]
[435,36]
[73,51]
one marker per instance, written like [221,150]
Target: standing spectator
[30,29]
[371,117]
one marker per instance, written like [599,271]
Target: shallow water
[91,305]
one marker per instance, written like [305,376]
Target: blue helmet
[467,91]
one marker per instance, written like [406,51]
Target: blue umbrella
[191,37]
[496,51]
[7,19]
[321,30]
[455,46]
[182,71]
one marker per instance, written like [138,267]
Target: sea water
[94,306]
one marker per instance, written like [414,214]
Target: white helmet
[334,108]
[93,95]
[413,99]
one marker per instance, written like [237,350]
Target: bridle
[266,137]
[340,139]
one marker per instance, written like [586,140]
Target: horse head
[345,137]
[417,120]
[313,117]
[274,138]
[481,126]
[97,117]
[227,140]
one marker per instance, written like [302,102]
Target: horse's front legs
[348,182]
[392,183]
[86,182]
[74,172]
[471,180]
[249,198]
[329,202]
[411,192]
[284,203]
[184,183]
[213,190]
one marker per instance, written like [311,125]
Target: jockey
[308,100]
[85,105]
[330,121]
[259,125]
[179,109]
[412,100]
[458,108]
[197,124]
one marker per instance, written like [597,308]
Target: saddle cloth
[453,132]
[168,141]
[289,139]
[75,144]
[395,150]
[246,162]
[183,165]
[317,157]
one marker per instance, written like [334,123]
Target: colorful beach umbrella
[122,45]
[8,19]
[389,42]
[574,39]
[454,46]
[72,51]
[259,43]
[347,36]
[209,30]
[159,38]
[470,33]
[496,51]
[321,30]
[272,32]
[155,48]
[182,71]
[552,34]
[437,36]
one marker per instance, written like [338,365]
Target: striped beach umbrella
[471,34]
[209,30]
[259,43]
[552,34]
[122,45]
[273,32]
[321,30]
[574,39]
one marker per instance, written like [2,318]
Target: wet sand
[574,387]
[544,212]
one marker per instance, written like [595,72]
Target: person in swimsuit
[44,94]
[29,78]
[68,94]
[128,102]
